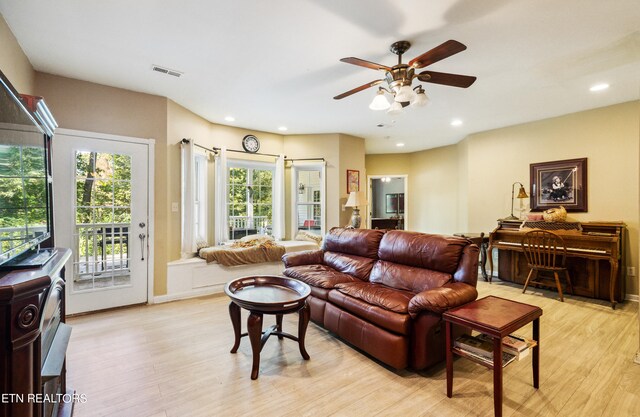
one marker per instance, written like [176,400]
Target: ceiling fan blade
[366,64]
[357,89]
[454,80]
[438,53]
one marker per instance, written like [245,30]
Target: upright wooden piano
[595,257]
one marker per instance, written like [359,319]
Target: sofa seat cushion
[322,276]
[399,323]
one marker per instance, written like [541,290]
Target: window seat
[193,277]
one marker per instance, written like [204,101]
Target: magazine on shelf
[513,344]
[475,345]
[507,358]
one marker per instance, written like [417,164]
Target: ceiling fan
[400,76]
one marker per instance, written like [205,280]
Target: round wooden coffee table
[267,294]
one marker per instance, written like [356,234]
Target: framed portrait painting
[353,180]
[559,183]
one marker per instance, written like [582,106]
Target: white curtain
[188,197]
[278,200]
[221,214]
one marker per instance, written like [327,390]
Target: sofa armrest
[438,300]
[307,257]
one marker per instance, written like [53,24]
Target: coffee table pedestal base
[258,338]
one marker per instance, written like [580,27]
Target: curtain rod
[304,159]
[215,150]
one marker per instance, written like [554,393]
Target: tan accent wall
[318,146]
[181,124]
[13,62]
[467,187]
[388,164]
[82,105]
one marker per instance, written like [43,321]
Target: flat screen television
[24,184]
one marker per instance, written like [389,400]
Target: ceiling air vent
[167,71]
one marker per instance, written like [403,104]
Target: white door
[101,210]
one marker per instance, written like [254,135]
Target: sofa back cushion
[417,261]
[408,278]
[356,266]
[422,250]
[359,242]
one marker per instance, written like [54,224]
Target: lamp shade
[522,193]
[396,108]
[405,93]
[379,102]
[421,99]
[354,199]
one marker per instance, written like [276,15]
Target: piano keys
[595,257]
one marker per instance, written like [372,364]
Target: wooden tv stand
[34,339]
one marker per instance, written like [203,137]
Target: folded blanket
[242,253]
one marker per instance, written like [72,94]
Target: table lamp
[354,201]
[521,194]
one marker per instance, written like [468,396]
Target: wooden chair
[545,252]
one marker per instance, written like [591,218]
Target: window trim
[246,164]
[295,170]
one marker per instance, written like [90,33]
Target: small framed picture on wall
[353,180]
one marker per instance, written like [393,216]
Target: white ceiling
[276,63]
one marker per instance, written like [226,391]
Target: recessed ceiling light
[283,128]
[230,119]
[399,145]
[599,87]
[456,122]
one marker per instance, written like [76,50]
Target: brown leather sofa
[385,292]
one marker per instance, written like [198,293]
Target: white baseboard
[632,297]
[196,292]
[637,358]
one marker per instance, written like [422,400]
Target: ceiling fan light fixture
[405,93]
[421,98]
[395,108]
[379,102]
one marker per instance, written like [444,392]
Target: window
[250,202]
[308,192]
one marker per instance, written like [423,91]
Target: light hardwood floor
[173,360]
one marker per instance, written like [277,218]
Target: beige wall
[467,187]
[433,194]
[13,62]
[351,157]
[93,107]
[608,137]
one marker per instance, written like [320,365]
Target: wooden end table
[267,295]
[496,317]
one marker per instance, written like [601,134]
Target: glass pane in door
[102,221]
[309,206]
